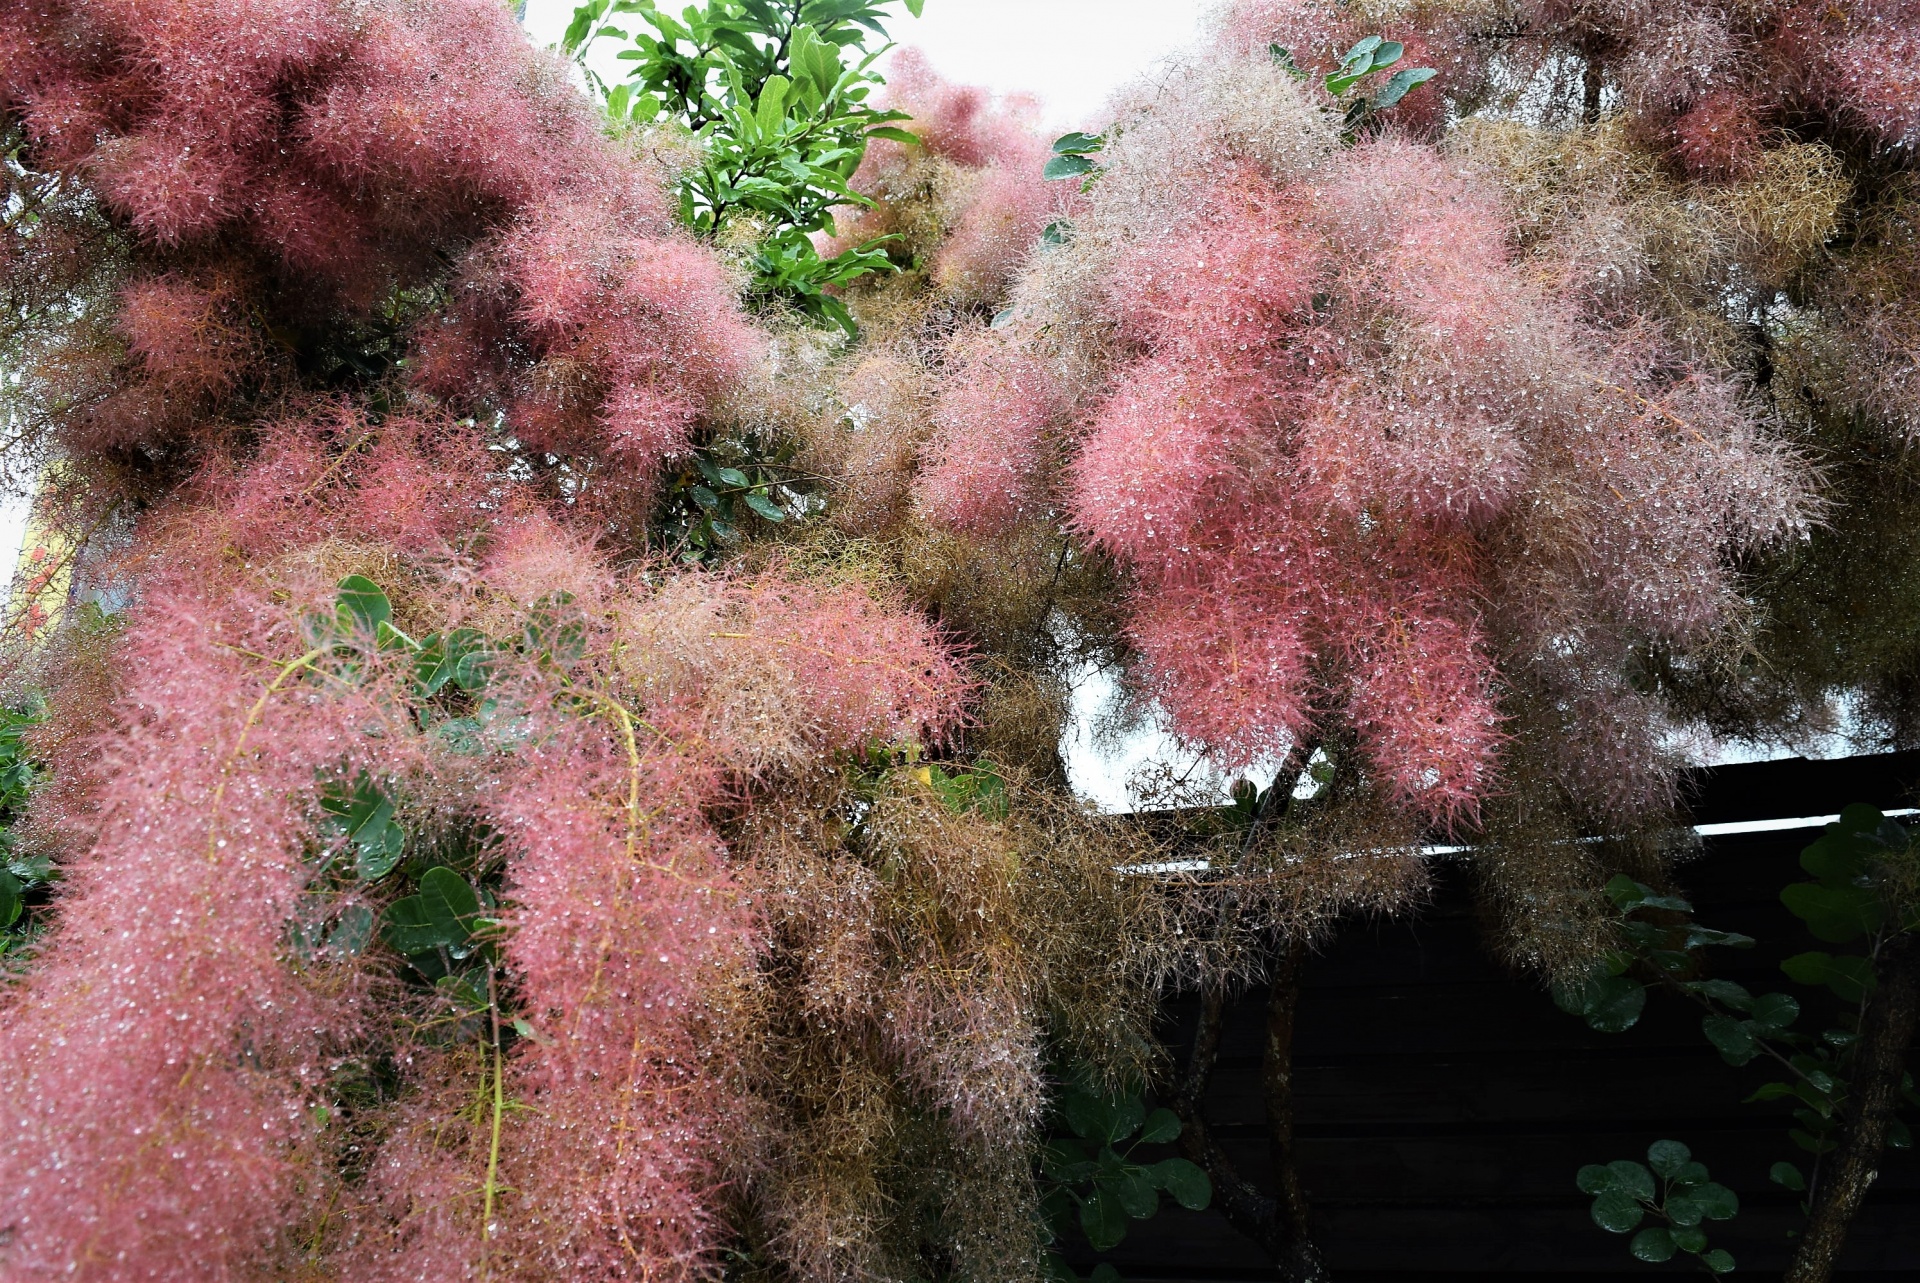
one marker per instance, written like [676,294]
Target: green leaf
[1128,1114]
[1788,1175]
[1186,1182]
[1847,849]
[914,7]
[1611,1004]
[1386,54]
[1684,1209]
[1667,1157]
[894,134]
[1719,1260]
[1104,1221]
[1690,1174]
[1088,1115]
[1162,1125]
[1617,1211]
[1690,1238]
[1594,1179]
[1698,935]
[765,507]
[1716,1201]
[1066,167]
[1733,1038]
[1078,144]
[387,637]
[363,816]
[1725,992]
[351,932]
[1834,913]
[1362,52]
[360,605]
[1654,1245]
[10,902]
[1399,83]
[1773,1012]
[1632,1178]
[1770,1091]
[1137,1191]
[1850,978]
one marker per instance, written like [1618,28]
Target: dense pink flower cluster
[172,1042]
[307,160]
[997,208]
[1362,467]
[1708,83]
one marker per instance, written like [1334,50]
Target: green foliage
[1862,867]
[21,875]
[1670,1187]
[726,485]
[1070,159]
[1368,56]
[1091,1179]
[776,92]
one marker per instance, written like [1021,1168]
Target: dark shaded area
[1443,1103]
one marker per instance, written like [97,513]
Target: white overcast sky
[1071,54]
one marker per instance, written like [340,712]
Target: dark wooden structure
[1444,1103]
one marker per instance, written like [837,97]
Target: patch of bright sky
[1070,54]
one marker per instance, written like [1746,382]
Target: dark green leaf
[1697,935]
[1667,1157]
[1613,1003]
[1690,1174]
[1719,1260]
[1788,1175]
[765,507]
[1770,1091]
[1775,1011]
[1654,1244]
[1078,144]
[1397,86]
[1186,1182]
[360,605]
[1088,1115]
[1850,978]
[1162,1125]
[894,134]
[351,932]
[1834,913]
[1685,1208]
[1733,1038]
[1690,1238]
[1632,1178]
[1137,1192]
[1617,1211]
[1066,167]
[1717,1202]
[1594,1179]
[10,902]
[1128,1114]
[1725,992]
[1104,1221]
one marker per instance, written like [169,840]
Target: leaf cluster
[778,95]
[21,874]
[1372,54]
[1670,1186]
[1092,1179]
[703,501]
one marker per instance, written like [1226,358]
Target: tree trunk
[1886,1031]
[1300,1260]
